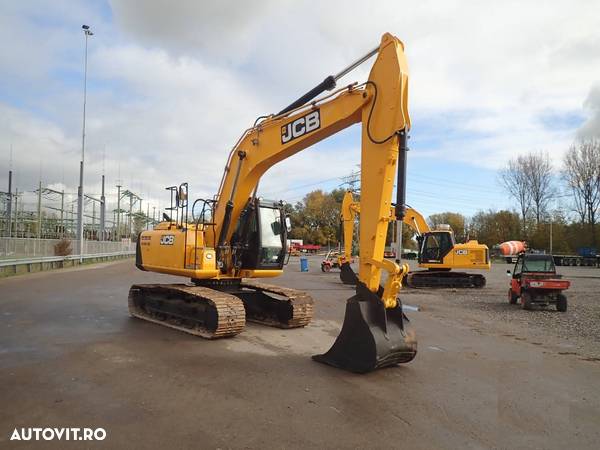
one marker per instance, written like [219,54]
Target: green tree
[456,221]
[582,173]
[316,219]
[495,227]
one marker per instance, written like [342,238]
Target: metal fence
[17,248]
[46,213]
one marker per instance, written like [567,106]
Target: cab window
[271,239]
[436,246]
[431,248]
[539,265]
[518,268]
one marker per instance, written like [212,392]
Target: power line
[449,184]
[465,199]
[445,195]
[299,187]
[446,181]
[354,177]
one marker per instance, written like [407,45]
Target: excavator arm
[374,332]
[416,221]
[351,208]
[381,105]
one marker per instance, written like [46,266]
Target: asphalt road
[71,356]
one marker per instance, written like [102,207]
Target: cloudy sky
[172,84]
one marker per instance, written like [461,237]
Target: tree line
[557,210]
[567,199]
[316,219]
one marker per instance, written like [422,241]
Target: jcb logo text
[167,239]
[300,126]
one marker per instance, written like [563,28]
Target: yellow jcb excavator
[237,236]
[438,252]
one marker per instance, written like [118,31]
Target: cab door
[435,246]
[260,237]
[515,282]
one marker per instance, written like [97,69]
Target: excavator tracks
[196,310]
[275,306]
[444,279]
[216,313]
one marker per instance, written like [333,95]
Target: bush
[63,248]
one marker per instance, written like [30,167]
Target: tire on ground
[526,300]
[561,303]
[512,297]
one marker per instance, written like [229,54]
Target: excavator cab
[435,245]
[260,237]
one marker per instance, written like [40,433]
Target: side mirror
[288,224]
[276,228]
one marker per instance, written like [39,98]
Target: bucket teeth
[372,337]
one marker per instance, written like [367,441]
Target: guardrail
[23,248]
[19,266]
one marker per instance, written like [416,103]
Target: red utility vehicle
[535,282]
[334,259]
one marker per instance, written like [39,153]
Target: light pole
[80,200]
[550,235]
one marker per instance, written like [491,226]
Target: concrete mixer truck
[510,250]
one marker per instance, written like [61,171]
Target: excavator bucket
[347,275]
[372,337]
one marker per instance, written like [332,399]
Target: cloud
[485,56]
[25,132]
[195,27]
[591,128]
[173,84]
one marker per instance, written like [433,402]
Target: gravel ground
[487,310]
[70,356]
